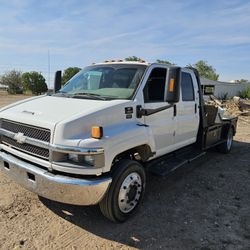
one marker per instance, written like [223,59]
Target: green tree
[164,62]
[133,59]
[35,82]
[245,93]
[205,70]
[12,79]
[69,73]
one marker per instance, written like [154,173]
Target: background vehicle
[93,139]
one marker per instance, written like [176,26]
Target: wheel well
[234,129]
[139,153]
[226,129]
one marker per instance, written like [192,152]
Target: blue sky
[78,33]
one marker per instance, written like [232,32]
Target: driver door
[163,123]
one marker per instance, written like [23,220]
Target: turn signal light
[96,132]
[171,85]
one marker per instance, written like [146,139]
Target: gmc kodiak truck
[92,140]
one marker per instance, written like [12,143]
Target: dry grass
[6,99]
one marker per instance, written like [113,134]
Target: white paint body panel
[70,121]
[162,126]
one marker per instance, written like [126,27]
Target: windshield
[116,81]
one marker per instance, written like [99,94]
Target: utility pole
[48,68]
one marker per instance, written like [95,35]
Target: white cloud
[80,32]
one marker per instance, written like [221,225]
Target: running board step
[168,163]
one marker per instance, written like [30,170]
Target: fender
[119,138]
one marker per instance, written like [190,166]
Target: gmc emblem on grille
[20,138]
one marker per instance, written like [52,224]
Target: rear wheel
[226,146]
[126,191]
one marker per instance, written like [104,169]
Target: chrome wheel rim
[130,192]
[229,139]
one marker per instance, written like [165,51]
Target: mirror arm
[146,112]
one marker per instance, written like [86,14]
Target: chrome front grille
[27,148]
[38,133]
[30,131]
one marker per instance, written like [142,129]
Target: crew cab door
[161,124]
[187,118]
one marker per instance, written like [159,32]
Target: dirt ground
[8,99]
[205,205]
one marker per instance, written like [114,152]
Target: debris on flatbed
[213,101]
[245,107]
[235,106]
[242,107]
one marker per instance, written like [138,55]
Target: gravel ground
[204,205]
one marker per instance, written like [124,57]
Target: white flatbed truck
[92,140]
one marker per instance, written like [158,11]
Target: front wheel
[226,146]
[125,192]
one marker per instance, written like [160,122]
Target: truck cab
[93,139]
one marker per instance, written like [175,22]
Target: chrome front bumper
[55,187]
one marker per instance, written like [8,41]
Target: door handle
[175,110]
[195,108]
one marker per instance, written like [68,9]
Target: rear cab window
[187,87]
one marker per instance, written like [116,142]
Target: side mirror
[173,84]
[58,81]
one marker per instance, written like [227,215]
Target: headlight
[88,159]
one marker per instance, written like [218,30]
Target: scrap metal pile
[235,106]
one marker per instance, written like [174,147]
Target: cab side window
[154,90]
[187,87]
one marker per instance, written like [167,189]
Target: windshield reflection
[110,81]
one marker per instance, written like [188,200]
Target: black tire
[114,208]
[226,146]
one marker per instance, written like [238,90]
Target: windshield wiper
[61,94]
[89,96]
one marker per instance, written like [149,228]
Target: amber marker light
[96,132]
[171,85]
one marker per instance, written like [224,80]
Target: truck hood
[47,111]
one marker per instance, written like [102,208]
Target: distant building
[239,81]
[220,89]
[3,87]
